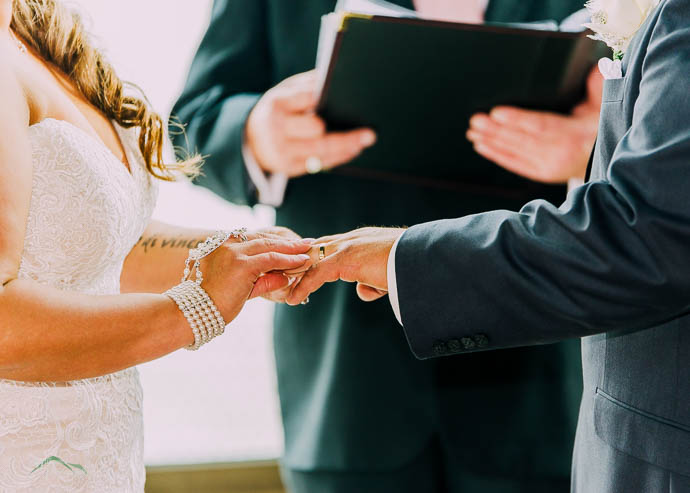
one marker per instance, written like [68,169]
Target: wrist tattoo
[161,242]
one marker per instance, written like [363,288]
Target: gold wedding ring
[322,253]
[314,165]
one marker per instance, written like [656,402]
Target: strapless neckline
[125,141]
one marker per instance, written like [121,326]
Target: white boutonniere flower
[615,22]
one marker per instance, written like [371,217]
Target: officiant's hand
[539,145]
[284,133]
[360,256]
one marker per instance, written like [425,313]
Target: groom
[610,265]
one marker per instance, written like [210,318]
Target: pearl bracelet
[196,305]
[201,313]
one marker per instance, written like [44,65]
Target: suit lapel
[588,174]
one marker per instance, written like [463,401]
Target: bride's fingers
[270,284]
[278,232]
[279,295]
[267,262]
[367,293]
[265,245]
[315,255]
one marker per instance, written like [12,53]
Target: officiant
[372,418]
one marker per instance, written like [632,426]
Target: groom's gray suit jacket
[612,264]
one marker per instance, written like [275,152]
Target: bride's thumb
[273,281]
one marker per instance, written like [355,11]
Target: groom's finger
[329,239]
[265,245]
[367,293]
[317,276]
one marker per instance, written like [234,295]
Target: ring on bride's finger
[313,165]
[322,253]
[306,300]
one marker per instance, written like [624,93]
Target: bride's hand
[239,271]
[280,295]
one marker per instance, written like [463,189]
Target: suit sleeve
[230,72]
[615,256]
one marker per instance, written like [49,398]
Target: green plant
[68,465]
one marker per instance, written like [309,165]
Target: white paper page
[327,36]
[575,23]
[374,7]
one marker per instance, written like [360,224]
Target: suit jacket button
[455,346]
[482,340]
[467,343]
[439,348]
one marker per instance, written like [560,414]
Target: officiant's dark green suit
[370,417]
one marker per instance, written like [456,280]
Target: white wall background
[217,404]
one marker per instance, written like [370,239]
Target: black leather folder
[418,81]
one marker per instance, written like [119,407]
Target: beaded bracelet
[205,248]
[201,313]
[196,305]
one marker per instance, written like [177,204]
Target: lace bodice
[87,212]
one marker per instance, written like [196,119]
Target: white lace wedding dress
[87,212]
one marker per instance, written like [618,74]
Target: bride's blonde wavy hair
[57,34]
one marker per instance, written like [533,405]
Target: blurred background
[218,404]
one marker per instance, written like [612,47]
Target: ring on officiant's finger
[313,165]
[322,253]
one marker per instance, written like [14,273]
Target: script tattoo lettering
[156,241]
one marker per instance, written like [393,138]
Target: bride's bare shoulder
[15,167]
[13,99]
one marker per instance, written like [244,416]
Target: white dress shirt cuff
[270,188]
[392,282]
[574,183]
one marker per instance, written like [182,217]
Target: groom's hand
[360,256]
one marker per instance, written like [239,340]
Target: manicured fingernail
[304,257]
[306,300]
[481,148]
[500,116]
[479,122]
[368,138]
[472,135]
[309,241]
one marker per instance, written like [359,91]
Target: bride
[79,159]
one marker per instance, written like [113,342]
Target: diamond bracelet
[205,248]
[196,305]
